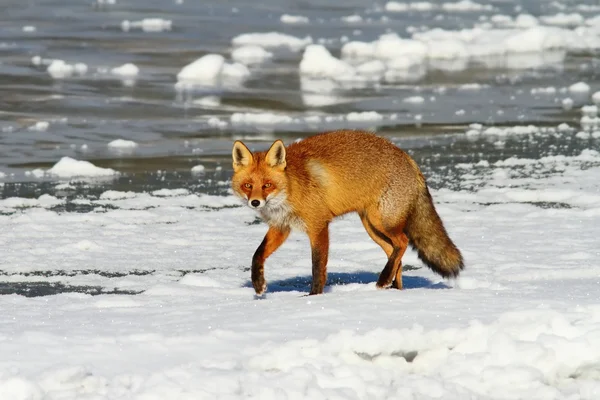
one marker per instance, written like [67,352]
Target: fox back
[324,175]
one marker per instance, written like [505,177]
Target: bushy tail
[427,234]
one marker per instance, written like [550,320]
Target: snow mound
[579,87]
[40,126]
[59,69]
[68,167]
[251,54]
[562,19]
[198,169]
[525,46]
[122,144]
[211,70]
[537,351]
[126,70]
[317,62]
[352,19]
[272,40]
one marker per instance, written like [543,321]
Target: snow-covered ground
[522,321]
[141,102]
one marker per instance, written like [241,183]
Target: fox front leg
[319,243]
[273,239]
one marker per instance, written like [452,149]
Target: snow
[596,97]
[395,6]
[294,19]
[215,122]
[518,43]
[147,25]
[198,169]
[268,121]
[68,167]
[534,40]
[364,116]
[414,99]
[466,5]
[579,87]
[206,68]
[126,70]
[523,324]
[318,62]
[271,40]
[459,6]
[211,70]
[356,72]
[525,21]
[59,69]
[37,173]
[590,110]
[120,144]
[40,126]
[471,86]
[478,129]
[250,54]
[265,118]
[352,19]
[208,101]
[567,103]
[544,90]
[562,19]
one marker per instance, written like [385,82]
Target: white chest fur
[277,212]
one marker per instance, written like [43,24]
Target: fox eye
[247,186]
[267,185]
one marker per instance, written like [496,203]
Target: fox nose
[255,203]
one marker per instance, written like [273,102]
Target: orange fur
[307,184]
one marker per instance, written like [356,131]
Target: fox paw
[260,288]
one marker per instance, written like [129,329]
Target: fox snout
[256,204]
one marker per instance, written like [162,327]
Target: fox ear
[242,157]
[276,155]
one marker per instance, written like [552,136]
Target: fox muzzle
[256,204]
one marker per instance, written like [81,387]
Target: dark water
[171,128]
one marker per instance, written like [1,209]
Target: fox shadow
[302,283]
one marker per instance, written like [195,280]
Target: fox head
[259,178]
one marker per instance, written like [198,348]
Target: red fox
[307,184]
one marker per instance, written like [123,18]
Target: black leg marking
[380,234]
[388,273]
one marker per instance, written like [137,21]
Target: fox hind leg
[403,245]
[378,237]
[393,241]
